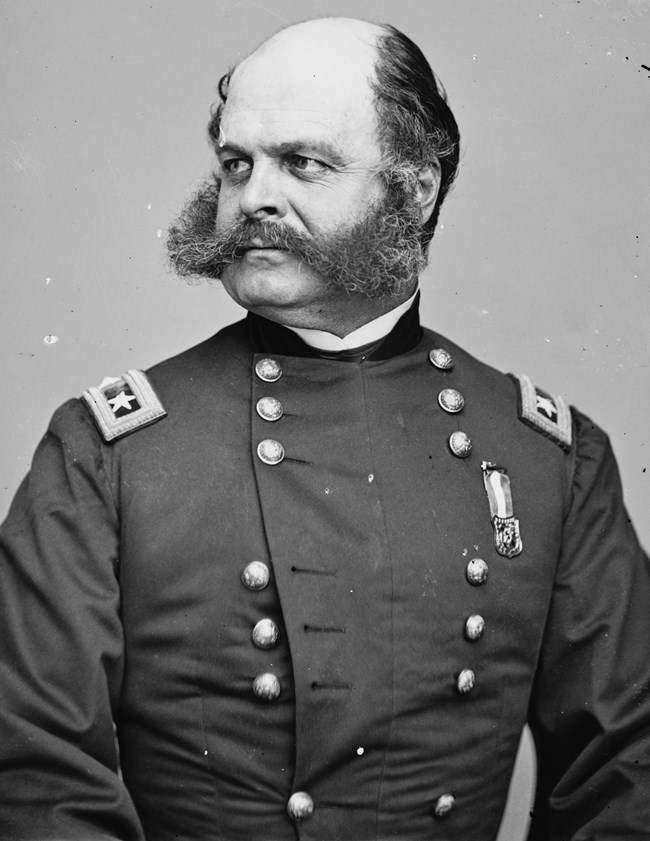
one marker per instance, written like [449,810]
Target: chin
[261,287]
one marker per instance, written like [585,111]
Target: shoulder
[214,356]
[136,399]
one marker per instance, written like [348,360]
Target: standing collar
[367,334]
[270,337]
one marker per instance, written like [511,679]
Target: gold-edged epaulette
[549,415]
[121,405]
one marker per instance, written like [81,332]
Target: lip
[260,245]
[264,254]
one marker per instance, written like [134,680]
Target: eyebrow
[303,145]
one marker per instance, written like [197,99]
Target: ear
[428,188]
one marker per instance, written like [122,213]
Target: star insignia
[122,405]
[121,401]
[542,411]
[545,404]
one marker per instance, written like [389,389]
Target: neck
[339,317]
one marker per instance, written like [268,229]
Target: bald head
[336,39]
[320,71]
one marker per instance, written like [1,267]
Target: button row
[476,573]
[267,686]
[460,444]
[265,634]
[269,409]
[451,401]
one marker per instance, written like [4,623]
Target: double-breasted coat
[285,592]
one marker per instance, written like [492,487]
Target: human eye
[306,165]
[235,166]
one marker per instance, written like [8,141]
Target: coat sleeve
[61,647]
[590,711]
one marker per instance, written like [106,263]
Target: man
[320,570]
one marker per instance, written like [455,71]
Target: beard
[378,255]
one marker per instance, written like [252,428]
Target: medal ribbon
[497,485]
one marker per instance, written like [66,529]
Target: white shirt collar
[373,331]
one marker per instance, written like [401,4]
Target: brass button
[477,571]
[441,359]
[460,444]
[444,805]
[267,687]
[265,633]
[452,401]
[300,806]
[474,628]
[269,409]
[255,576]
[465,682]
[270,451]
[268,370]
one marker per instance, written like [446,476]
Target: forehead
[278,93]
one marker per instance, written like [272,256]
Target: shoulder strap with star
[549,415]
[123,404]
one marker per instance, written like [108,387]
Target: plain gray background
[541,265]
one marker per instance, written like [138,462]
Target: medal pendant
[507,538]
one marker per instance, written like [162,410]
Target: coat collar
[270,337]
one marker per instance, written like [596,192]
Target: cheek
[227,209]
[350,202]
[370,193]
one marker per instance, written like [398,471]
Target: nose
[261,196]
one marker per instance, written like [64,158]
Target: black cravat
[270,337]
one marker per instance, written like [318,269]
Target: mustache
[233,242]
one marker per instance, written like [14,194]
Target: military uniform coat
[365,705]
